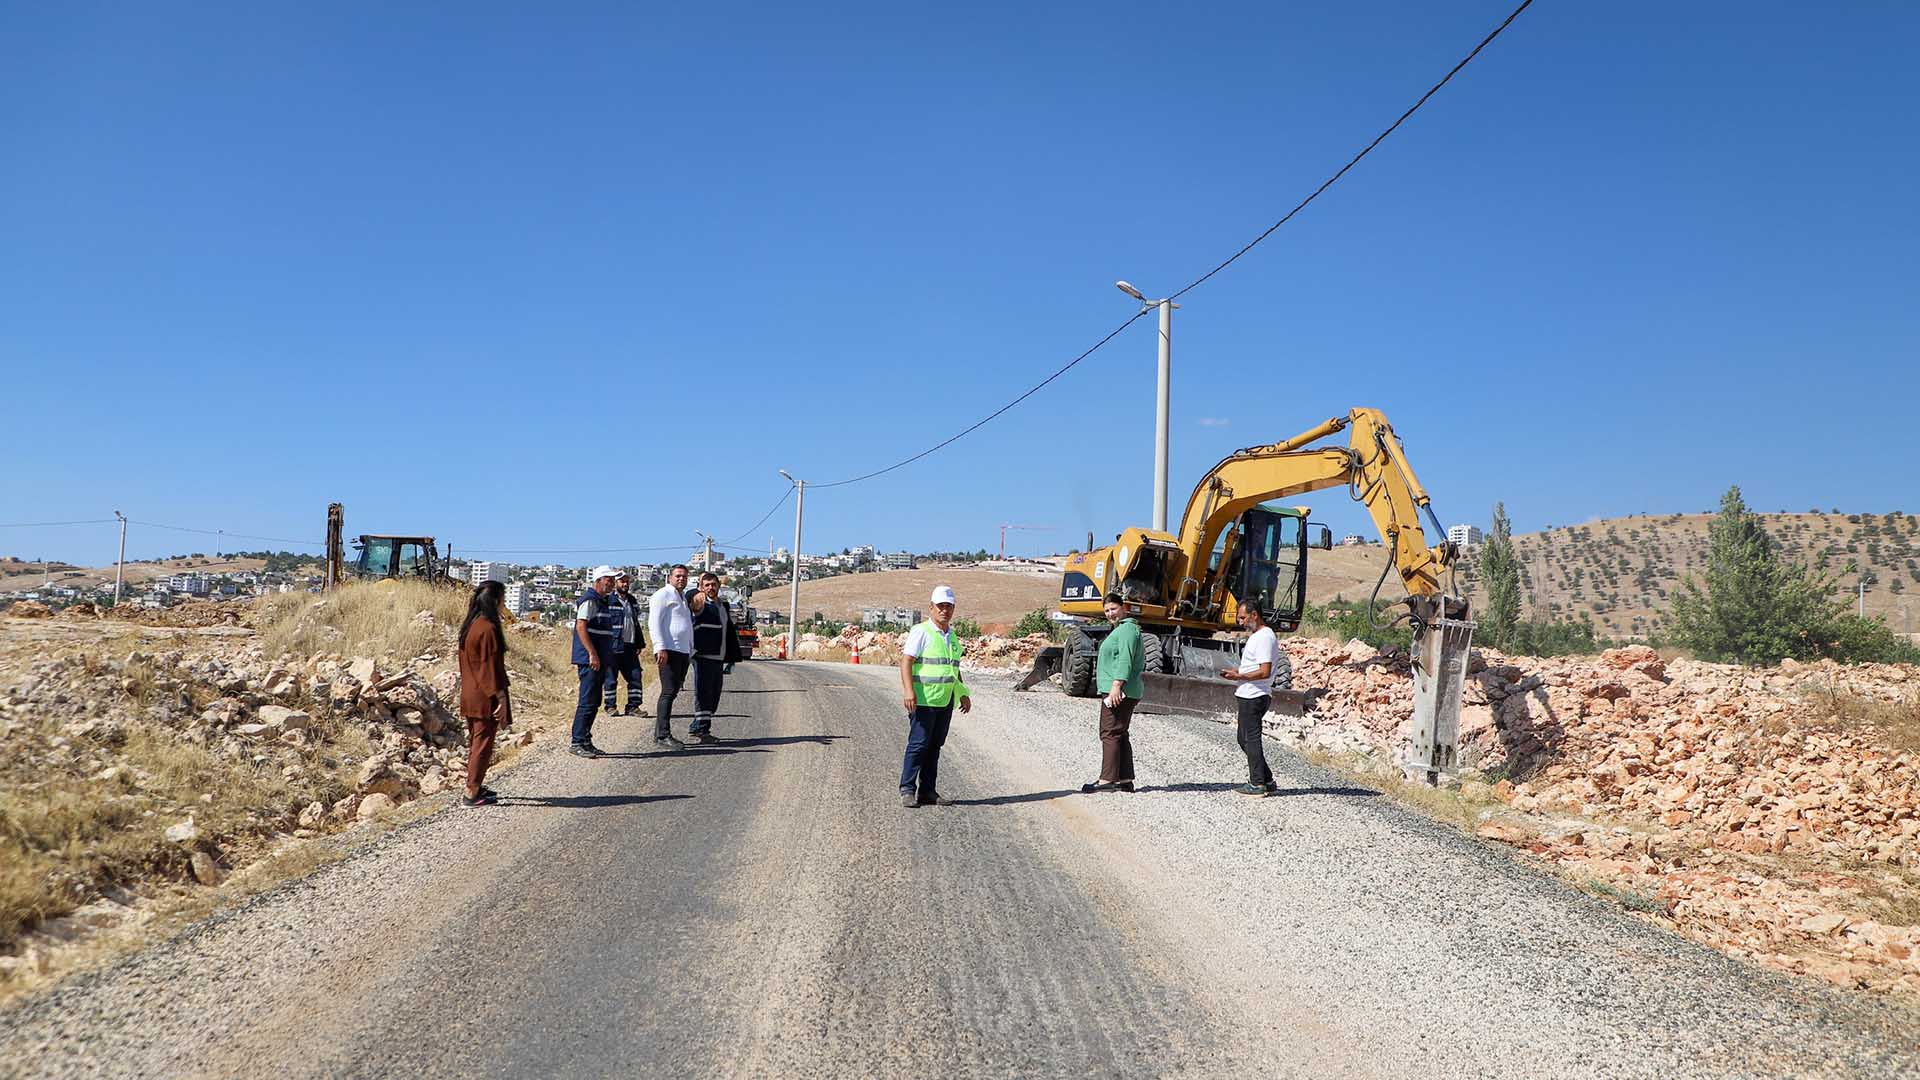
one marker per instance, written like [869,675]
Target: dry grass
[66,833]
[372,619]
[1893,725]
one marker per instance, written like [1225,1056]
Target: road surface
[767,908]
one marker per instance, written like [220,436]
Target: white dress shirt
[670,621]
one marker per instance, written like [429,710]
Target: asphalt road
[767,908]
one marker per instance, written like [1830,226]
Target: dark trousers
[480,736]
[673,675]
[708,676]
[592,686]
[926,734]
[623,664]
[1116,748]
[1252,710]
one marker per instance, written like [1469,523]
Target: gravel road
[767,908]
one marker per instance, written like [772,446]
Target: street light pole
[1163,402]
[793,597]
[120,564]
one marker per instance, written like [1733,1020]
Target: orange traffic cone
[783,646]
[856,652]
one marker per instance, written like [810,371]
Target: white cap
[943,594]
[604,571]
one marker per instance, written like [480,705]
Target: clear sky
[587,281]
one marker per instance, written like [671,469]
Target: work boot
[582,750]
[669,743]
[935,799]
[909,800]
[1259,791]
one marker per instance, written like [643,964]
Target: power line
[1196,282]
[763,520]
[54,524]
[225,533]
[1368,149]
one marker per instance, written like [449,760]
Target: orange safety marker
[783,646]
[856,652]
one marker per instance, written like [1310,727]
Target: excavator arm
[1372,466]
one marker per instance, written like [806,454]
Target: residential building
[519,598]
[901,560]
[486,571]
[1352,540]
[1466,537]
[892,616]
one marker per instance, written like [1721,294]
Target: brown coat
[483,670]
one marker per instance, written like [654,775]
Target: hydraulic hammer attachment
[1442,640]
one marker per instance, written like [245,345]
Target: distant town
[546,591]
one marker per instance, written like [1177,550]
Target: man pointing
[929,685]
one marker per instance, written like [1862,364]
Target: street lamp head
[1130,291]
[789,476]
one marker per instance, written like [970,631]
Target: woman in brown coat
[483,686]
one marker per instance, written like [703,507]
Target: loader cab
[396,557]
[1267,562]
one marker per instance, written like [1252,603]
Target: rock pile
[1773,813]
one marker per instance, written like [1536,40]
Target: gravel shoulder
[768,908]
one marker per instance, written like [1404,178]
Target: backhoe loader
[1185,588]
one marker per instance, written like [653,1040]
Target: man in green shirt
[1122,661]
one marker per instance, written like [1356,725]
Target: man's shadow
[584,802]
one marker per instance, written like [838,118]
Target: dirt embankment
[141,767]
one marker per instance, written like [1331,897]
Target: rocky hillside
[1623,572]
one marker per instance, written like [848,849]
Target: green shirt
[1121,657]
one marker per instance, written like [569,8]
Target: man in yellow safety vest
[929,686]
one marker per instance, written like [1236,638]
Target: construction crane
[1027,528]
[1186,588]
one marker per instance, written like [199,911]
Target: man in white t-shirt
[670,622]
[1255,676]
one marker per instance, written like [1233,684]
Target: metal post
[120,564]
[1863,595]
[1160,417]
[793,597]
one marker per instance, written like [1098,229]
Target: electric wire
[751,529]
[1197,282]
[223,532]
[54,524]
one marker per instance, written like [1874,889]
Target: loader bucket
[1440,655]
[1044,666]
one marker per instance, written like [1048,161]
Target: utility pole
[1163,401]
[793,597]
[120,564]
[1863,596]
[706,560]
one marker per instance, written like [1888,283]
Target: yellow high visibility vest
[936,673]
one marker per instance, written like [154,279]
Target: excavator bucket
[1440,656]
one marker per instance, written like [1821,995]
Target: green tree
[966,628]
[1751,606]
[1500,571]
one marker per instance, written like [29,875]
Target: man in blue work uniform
[596,632]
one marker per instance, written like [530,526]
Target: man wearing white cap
[596,629]
[929,685]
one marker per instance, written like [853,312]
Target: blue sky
[588,281]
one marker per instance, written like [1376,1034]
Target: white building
[900,560]
[1352,540]
[486,571]
[1466,536]
[518,598]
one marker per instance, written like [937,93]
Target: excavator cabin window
[1272,570]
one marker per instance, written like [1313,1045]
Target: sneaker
[1260,791]
[670,743]
[489,792]
[701,738]
[582,750]
[936,799]
[597,752]
[485,798]
[909,799]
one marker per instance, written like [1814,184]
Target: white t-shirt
[916,645]
[670,621]
[1262,648]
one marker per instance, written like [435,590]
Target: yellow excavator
[1231,550]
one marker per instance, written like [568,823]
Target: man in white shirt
[670,623]
[1255,693]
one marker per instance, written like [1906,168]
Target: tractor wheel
[1283,671]
[1151,652]
[1076,665]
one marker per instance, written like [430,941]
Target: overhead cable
[1196,282]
